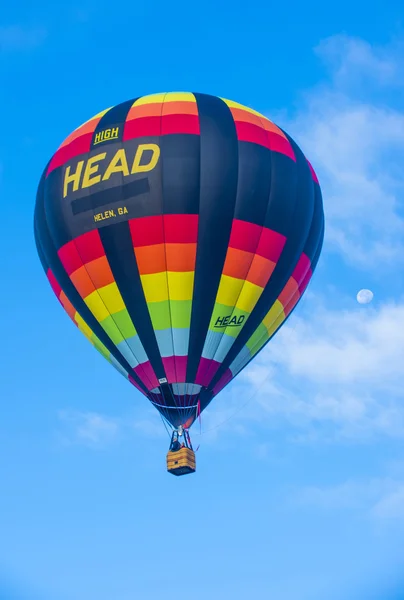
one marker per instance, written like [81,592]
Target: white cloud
[88,428]
[96,430]
[356,145]
[352,59]
[346,346]
[338,375]
[18,37]
[379,498]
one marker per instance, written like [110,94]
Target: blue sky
[299,495]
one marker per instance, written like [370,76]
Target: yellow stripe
[276,324]
[232,104]
[155,287]
[97,116]
[229,290]
[179,97]
[180,285]
[248,296]
[82,325]
[275,312]
[150,99]
[112,298]
[96,305]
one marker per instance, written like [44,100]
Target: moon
[364,296]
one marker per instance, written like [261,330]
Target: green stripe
[169,314]
[261,332]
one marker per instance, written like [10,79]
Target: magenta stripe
[147,376]
[224,380]
[206,371]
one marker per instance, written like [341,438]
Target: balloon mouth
[178,403]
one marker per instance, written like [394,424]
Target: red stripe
[278,143]
[300,270]
[175,229]
[69,257]
[89,246]
[271,244]
[165,125]
[80,145]
[180,229]
[248,132]
[175,124]
[244,235]
[142,127]
[146,231]
[54,284]
[291,304]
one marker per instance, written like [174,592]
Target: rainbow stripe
[162,114]
[82,325]
[251,258]
[165,250]
[78,142]
[174,113]
[86,264]
[282,307]
[253,127]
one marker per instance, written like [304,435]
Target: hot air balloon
[179,231]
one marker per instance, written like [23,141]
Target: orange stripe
[151,259]
[68,306]
[269,126]
[290,289]
[145,110]
[260,271]
[247,117]
[237,263]
[82,282]
[100,272]
[88,127]
[180,108]
[292,303]
[181,257]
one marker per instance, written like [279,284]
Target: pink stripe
[175,368]
[313,173]
[133,382]
[69,257]
[147,376]
[244,235]
[181,368]
[305,281]
[54,284]
[206,371]
[271,244]
[300,270]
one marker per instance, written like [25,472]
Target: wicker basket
[181,462]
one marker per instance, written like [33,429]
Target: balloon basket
[181,462]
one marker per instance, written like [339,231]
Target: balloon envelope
[179,231]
